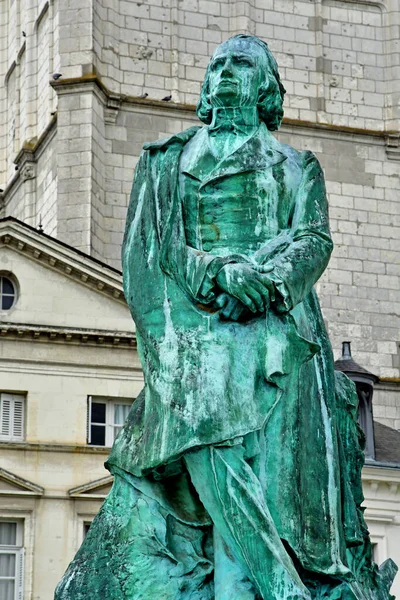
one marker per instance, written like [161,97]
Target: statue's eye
[216,65]
[242,60]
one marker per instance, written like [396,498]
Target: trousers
[204,533]
[246,542]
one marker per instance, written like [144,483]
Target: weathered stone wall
[386,405]
[336,57]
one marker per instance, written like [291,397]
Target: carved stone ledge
[393,146]
[112,108]
[27,158]
[28,171]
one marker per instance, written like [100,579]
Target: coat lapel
[259,152]
[199,160]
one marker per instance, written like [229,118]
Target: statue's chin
[226,95]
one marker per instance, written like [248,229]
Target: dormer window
[8,293]
[364,382]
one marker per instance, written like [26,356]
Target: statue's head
[243,72]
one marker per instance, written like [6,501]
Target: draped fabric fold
[215,382]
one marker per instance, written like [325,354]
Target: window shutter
[5,414]
[18,420]
[20,574]
[89,420]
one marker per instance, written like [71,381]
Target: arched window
[8,293]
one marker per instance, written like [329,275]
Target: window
[106,417]
[12,408]
[86,527]
[374,548]
[8,293]
[11,560]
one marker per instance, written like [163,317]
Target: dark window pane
[8,287]
[7,302]
[98,435]
[98,412]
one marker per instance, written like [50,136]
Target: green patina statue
[238,471]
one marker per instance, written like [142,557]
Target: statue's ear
[265,92]
[264,99]
[269,104]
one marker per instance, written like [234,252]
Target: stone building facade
[82,87]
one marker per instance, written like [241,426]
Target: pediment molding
[58,256]
[13,485]
[92,490]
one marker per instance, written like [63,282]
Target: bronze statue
[237,474]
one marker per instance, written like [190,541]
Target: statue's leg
[230,581]
[136,550]
[233,497]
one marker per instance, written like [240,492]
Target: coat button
[207,246]
[207,219]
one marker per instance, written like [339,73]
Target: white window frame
[12,424]
[19,553]
[110,426]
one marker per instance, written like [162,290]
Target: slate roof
[350,366]
[387,443]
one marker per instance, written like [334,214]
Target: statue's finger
[246,300]
[237,312]
[255,295]
[231,303]
[222,300]
[266,282]
[262,291]
[263,268]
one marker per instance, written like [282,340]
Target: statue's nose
[227,68]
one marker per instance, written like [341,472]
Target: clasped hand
[245,288]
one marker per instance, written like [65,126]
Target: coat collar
[260,151]
[180,138]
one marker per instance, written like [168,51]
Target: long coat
[269,380]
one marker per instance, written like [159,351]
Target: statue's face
[237,70]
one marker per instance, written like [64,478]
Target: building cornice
[53,447]
[381,486]
[381,472]
[388,382]
[58,256]
[67,335]
[114,100]
[31,150]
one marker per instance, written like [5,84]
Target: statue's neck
[244,119]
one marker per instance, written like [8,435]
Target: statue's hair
[271,93]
